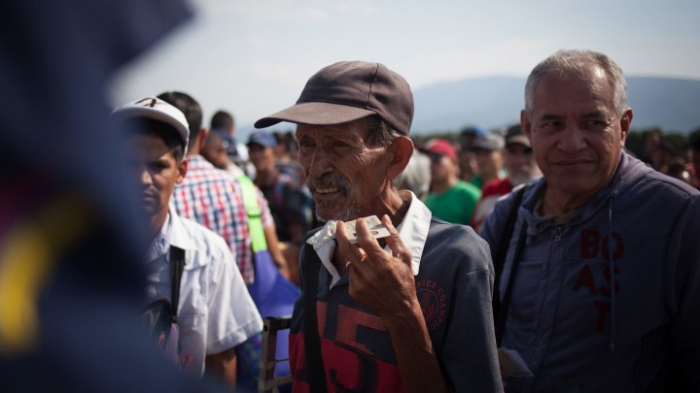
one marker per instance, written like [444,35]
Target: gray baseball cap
[348,91]
[490,142]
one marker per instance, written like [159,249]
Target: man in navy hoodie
[599,288]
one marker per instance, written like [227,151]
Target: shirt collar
[179,235]
[159,246]
[173,233]
[413,231]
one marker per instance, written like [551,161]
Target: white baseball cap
[159,110]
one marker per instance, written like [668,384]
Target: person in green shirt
[450,198]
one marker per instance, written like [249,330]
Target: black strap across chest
[177,265]
[500,306]
[316,372]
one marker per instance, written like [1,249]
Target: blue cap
[476,130]
[262,138]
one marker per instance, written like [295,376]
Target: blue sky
[252,57]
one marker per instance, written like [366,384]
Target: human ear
[181,170]
[625,122]
[526,124]
[400,154]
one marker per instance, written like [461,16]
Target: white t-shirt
[215,311]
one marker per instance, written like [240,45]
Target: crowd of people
[543,257]
[520,245]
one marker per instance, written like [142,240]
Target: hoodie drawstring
[611,265]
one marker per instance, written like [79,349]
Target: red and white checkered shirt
[213,198]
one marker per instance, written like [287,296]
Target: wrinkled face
[488,162]
[158,172]
[345,175]
[575,133]
[520,163]
[215,151]
[263,158]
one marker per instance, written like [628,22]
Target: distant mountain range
[673,105]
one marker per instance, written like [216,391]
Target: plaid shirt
[214,199]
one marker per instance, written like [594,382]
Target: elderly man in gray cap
[410,311]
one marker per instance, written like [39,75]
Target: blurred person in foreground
[71,280]
[215,312]
[450,198]
[521,167]
[406,312]
[600,287]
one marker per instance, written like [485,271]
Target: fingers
[365,240]
[383,279]
[398,249]
[348,251]
[371,247]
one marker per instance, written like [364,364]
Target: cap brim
[315,113]
[520,139]
[157,115]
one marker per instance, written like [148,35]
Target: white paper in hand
[376,228]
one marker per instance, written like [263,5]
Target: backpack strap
[505,303]
[316,372]
[500,306]
[177,265]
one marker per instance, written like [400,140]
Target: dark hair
[167,133]
[222,120]
[190,107]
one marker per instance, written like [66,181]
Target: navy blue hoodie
[603,301]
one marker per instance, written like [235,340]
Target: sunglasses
[435,158]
